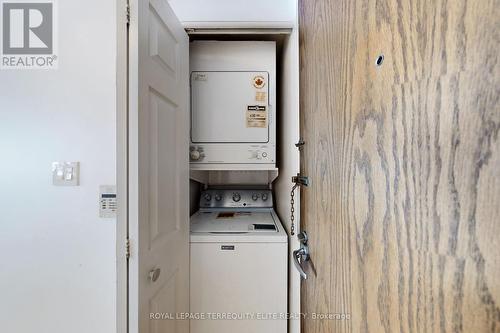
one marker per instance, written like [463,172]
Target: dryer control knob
[194,155]
[236,197]
[218,197]
[207,197]
[264,196]
[255,197]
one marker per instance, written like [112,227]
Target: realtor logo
[28,31]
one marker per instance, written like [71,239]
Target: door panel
[158,146]
[165,301]
[163,206]
[404,160]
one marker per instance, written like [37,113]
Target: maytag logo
[28,35]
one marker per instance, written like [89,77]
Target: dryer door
[230,107]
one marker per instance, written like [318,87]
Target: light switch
[66,173]
[59,173]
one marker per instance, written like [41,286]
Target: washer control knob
[218,197]
[207,197]
[264,196]
[236,197]
[194,155]
[255,196]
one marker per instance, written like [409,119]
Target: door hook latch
[301,254]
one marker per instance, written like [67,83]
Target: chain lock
[292,209]
[297,180]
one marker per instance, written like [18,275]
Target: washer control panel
[225,198]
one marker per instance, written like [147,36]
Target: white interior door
[158,168]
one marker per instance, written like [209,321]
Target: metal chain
[292,209]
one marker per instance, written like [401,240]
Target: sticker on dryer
[257,116]
[200,77]
[261,96]
[259,81]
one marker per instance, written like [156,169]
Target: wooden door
[158,170]
[403,151]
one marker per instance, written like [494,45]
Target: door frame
[122,166]
[122,109]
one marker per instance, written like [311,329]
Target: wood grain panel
[404,207]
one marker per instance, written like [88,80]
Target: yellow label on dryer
[256,116]
[261,96]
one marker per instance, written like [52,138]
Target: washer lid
[233,222]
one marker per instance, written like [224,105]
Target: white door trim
[121,167]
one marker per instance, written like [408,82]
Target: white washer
[238,264]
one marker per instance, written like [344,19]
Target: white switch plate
[107,201]
[66,173]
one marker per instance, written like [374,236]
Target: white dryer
[233,105]
[238,275]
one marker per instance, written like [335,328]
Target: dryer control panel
[216,154]
[226,198]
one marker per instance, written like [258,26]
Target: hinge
[301,180]
[127,248]
[128,14]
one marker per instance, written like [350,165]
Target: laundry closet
[213,159]
[238,246]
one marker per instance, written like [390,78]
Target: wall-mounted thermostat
[107,201]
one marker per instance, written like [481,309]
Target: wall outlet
[66,173]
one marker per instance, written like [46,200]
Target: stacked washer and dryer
[239,248]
